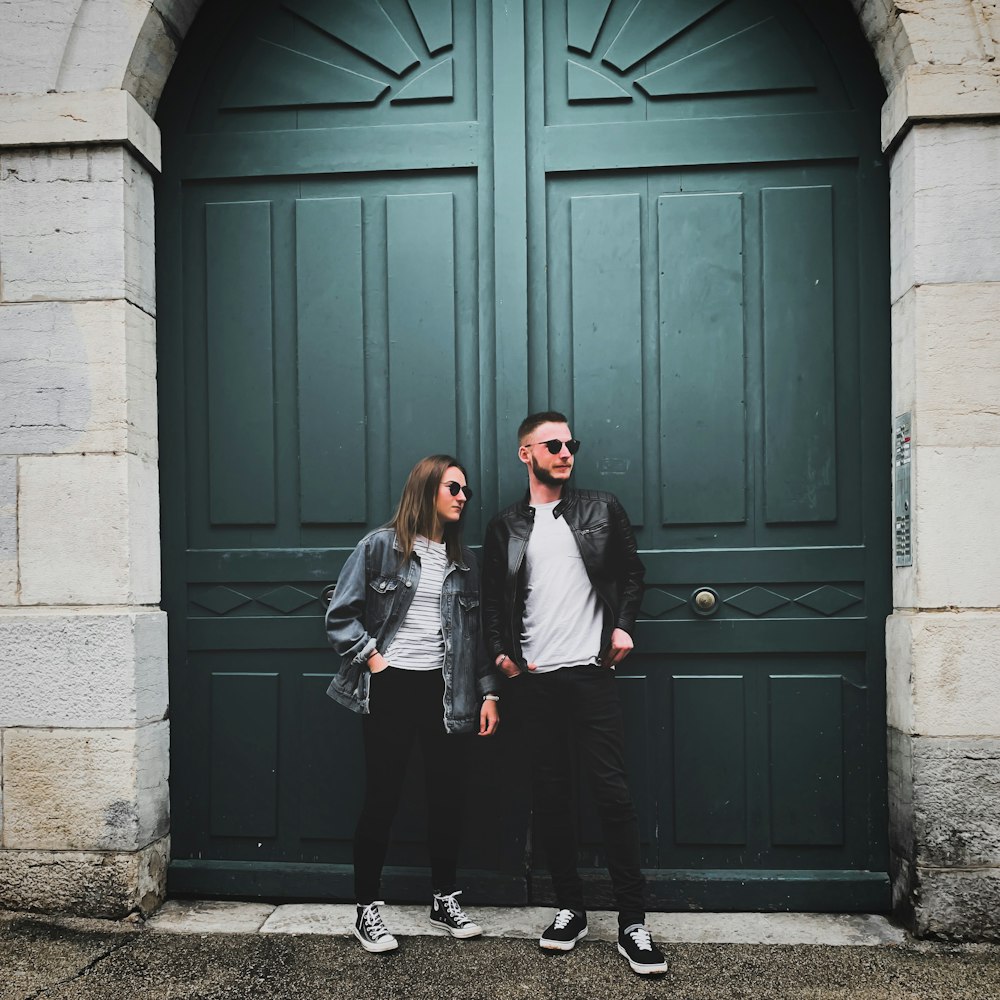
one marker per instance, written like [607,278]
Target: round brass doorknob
[705,600]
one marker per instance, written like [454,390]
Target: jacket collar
[461,564]
[568,499]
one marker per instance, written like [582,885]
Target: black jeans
[576,709]
[407,707]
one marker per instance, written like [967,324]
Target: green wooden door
[388,228]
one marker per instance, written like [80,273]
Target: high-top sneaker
[371,931]
[446,915]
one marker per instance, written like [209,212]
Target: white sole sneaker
[549,945]
[385,944]
[471,931]
[643,970]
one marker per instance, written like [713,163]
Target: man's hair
[534,420]
[416,512]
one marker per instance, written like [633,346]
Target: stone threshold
[179,916]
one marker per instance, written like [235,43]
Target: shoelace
[450,904]
[372,920]
[641,937]
[563,917]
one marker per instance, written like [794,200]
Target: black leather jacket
[602,532]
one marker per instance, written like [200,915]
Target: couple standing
[561,586]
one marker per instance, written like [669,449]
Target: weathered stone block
[85,789]
[85,884]
[8,531]
[958,905]
[78,377]
[33,37]
[946,348]
[956,802]
[945,221]
[89,669]
[103,37]
[956,504]
[76,224]
[88,530]
[103,116]
[942,677]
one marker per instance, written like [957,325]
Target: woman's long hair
[416,512]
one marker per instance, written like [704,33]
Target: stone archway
[79,606]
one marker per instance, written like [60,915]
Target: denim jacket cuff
[366,651]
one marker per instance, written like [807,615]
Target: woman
[405,619]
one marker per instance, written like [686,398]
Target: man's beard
[544,476]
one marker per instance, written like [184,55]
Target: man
[561,587]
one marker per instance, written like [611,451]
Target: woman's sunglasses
[555,445]
[455,488]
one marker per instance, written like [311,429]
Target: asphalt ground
[42,957]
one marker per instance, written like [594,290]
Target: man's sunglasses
[555,445]
[455,488]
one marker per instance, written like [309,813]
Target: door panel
[391,227]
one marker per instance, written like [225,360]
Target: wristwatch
[491,697]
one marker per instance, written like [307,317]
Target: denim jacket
[373,593]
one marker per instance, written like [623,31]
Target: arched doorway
[391,228]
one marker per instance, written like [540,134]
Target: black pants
[576,709]
[407,707]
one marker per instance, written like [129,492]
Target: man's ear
[523,455]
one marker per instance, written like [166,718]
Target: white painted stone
[88,530]
[946,363]
[956,513]
[33,36]
[100,44]
[85,789]
[8,531]
[76,223]
[79,119]
[957,363]
[527,922]
[82,669]
[85,883]
[902,221]
[78,377]
[929,92]
[946,206]
[942,677]
[183,916]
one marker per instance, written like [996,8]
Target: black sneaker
[370,931]
[448,916]
[565,930]
[637,946]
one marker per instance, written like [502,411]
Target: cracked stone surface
[91,960]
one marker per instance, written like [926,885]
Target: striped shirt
[419,642]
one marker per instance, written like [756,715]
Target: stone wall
[83,700]
[83,686]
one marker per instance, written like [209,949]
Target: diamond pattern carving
[221,600]
[827,600]
[656,603]
[757,601]
[285,599]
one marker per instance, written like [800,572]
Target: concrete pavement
[202,951]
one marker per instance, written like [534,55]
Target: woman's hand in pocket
[377,662]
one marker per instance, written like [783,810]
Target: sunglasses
[555,445]
[455,488]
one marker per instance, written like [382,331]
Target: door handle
[704,602]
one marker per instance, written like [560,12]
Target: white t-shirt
[419,643]
[563,617]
